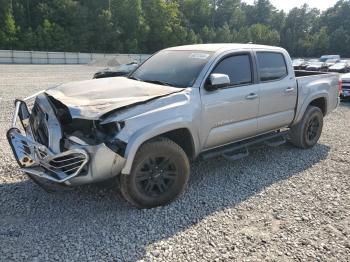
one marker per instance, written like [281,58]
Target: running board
[233,156]
[276,142]
[240,150]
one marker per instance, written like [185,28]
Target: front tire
[308,131]
[158,176]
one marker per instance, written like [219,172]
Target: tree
[9,30]
[319,43]
[50,36]
[225,11]
[261,34]
[208,34]
[339,42]
[147,26]
[196,14]
[297,28]
[224,35]
[163,25]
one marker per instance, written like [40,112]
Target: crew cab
[183,103]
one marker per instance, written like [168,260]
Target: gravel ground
[279,204]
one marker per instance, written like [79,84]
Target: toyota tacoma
[183,103]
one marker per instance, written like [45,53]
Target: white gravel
[279,204]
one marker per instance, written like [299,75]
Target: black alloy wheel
[158,176]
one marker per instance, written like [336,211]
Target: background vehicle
[121,70]
[316,66]
[324,58]
[182,103]
[299,64]
[331,62]
[341,67]
[345,94]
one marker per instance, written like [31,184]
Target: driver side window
[237,67]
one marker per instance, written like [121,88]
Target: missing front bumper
[80,164]
[38,160]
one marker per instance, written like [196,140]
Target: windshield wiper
[134,78]
[158,82]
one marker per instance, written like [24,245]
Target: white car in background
[341,67]
[331,62]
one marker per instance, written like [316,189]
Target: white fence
[39,57]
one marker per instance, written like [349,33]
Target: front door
[230,113]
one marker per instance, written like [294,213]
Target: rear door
[230,113]
[278,91]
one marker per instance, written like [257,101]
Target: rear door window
[271,66]
[237,67]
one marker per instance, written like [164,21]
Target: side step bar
[238,150]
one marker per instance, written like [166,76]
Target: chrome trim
[38,160]
[32,97]
[14,118]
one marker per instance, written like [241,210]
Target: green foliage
[262,34]
[140,26]
[8,29]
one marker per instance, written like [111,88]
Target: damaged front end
[56,147]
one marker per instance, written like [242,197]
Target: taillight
[340,86]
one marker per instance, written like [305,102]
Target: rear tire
[158,176]
[308,131]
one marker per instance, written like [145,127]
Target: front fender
[154,130]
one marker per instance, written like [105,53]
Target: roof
[223,46]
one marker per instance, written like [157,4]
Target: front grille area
[38,123]
[68,164]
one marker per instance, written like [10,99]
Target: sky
[286,5]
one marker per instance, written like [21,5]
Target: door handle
[251,96]
[289,89]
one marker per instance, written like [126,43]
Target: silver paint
[213,118]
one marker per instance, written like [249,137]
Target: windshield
[175,68]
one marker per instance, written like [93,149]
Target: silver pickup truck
[186,102]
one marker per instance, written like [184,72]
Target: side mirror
[216,81]
[23,114]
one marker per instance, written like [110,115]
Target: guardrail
[42,57]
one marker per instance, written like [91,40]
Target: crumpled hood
[93,98]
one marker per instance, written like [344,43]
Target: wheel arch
[321,103]
[319,100]
[171,130]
